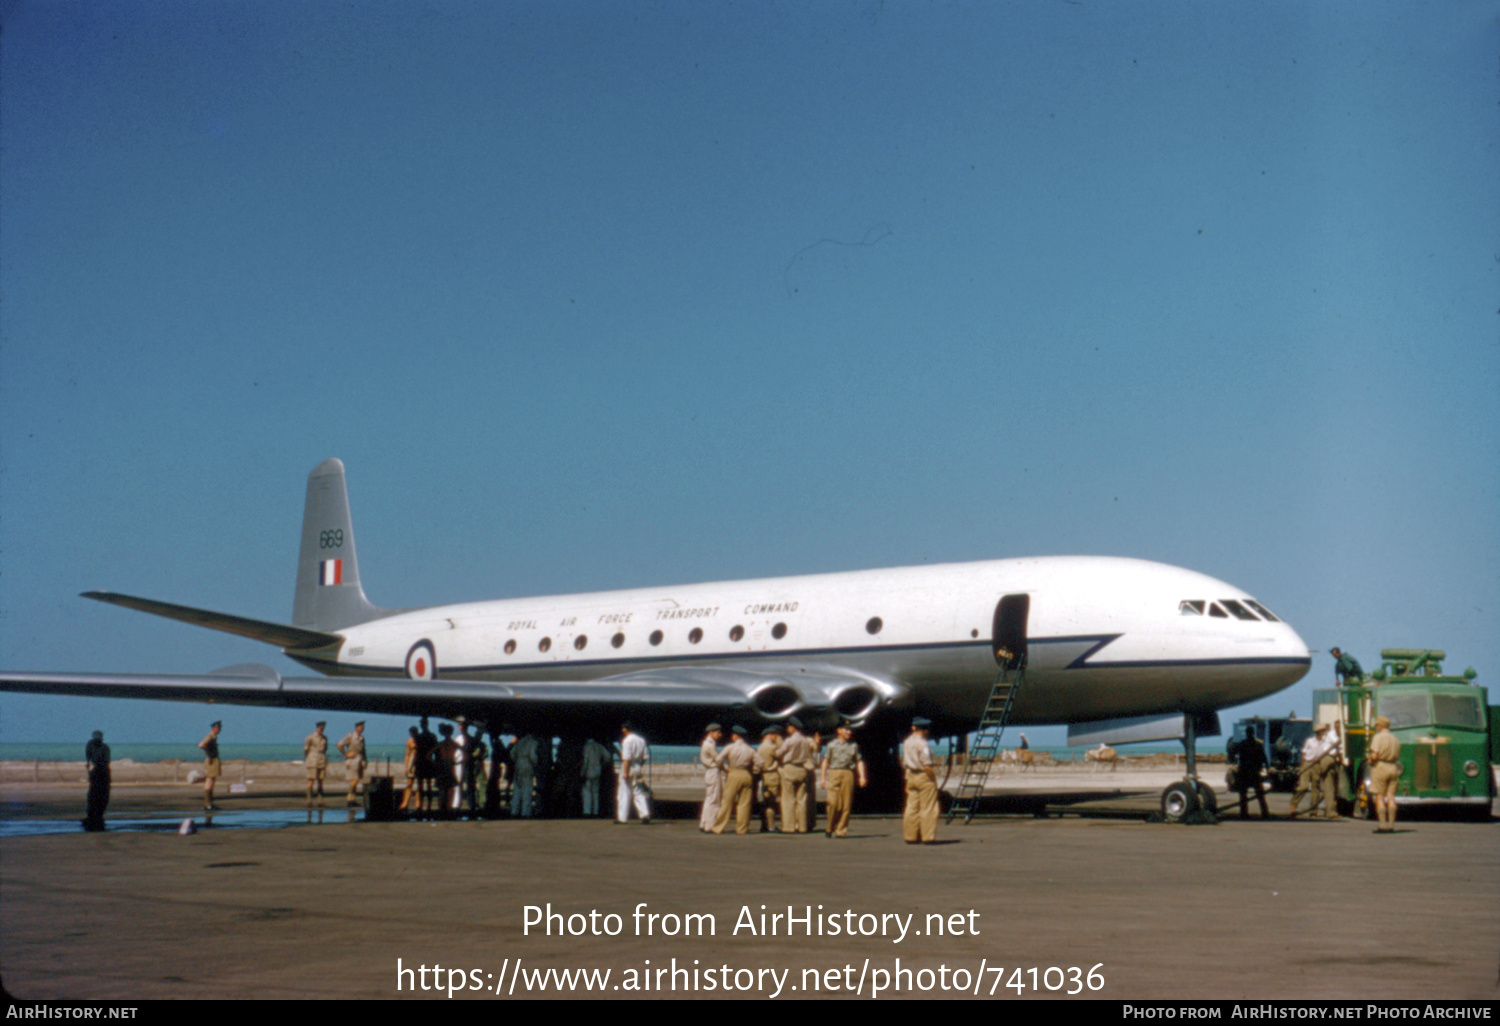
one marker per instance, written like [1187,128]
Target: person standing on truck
[1385,770]
[1347,670]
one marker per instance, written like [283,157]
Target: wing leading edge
[676,702]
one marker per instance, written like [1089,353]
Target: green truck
[1449,733]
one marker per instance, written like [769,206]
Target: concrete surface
[1252,910]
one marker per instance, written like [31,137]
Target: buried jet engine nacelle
[820,697]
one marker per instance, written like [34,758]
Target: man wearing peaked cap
[794,754]
[738,761]
[919,820]
[713,776]
[841,760]
[212,767]
[769,769]
[353,747]
[315,759]
[1385,771]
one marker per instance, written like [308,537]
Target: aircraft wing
[675,701]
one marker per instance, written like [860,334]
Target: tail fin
[329,596]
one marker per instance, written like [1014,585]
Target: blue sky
[612,294]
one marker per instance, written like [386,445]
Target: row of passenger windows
[1196,607]
[736,633]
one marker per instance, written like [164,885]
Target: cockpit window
[1190,607]
[1214,610]
[1240,612]
[1262,610]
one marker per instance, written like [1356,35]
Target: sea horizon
[158,751]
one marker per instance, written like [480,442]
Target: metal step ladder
[986,743]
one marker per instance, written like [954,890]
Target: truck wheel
[1365,792]
[1178,802]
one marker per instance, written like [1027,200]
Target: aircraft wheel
[1178,802]
[1207,800]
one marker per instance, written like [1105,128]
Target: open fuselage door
[1010,631]
[1009,644]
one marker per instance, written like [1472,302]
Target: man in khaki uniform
[919,820]
[738,760]
[795,752]
[841,759]
[353,747]
[1385,771]
[315,758]
[770,780]
[212,767]
[713,776]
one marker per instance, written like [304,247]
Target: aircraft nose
[1296,647]
[1291,653]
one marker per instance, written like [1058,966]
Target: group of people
[530,767]
[782,768]
[446,773]
[315,760]
[1320,762]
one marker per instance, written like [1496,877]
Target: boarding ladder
[986,744]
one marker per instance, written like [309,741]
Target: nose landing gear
[1189,795]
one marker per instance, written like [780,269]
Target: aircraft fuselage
[1107,637]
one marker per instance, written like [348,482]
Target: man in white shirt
[1319,757]
[632,784]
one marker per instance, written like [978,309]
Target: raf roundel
[421,661]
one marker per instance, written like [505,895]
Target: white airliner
[1121,645]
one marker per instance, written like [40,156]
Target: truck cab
[1444,723]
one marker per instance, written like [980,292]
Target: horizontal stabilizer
[272,633]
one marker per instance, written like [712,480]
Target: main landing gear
[1189,795]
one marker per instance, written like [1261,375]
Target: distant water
[156,752]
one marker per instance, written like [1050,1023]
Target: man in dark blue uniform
[1249,756]
[96,758]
